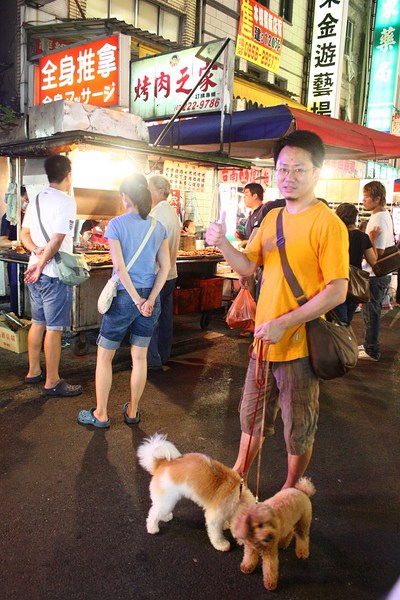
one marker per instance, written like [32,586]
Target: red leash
[262,368]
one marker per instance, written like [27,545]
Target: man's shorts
[51,303]
[292,387]
[122,315]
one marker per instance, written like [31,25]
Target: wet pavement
[74,501]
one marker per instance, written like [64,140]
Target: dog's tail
[154,449]
[306,485]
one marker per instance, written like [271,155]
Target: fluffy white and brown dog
[271,524]
[209,483]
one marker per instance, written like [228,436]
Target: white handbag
[109,291]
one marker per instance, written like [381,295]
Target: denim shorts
[51,303]
[292,387]
[122,315]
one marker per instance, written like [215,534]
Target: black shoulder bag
[332,347]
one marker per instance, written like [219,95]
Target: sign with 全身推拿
[330,20]
[161,84]
[384,66]
[92,73]
[260,35]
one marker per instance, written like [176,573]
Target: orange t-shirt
[317,249]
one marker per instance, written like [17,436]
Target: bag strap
[294,285]
[142,245]
[46,237]
[56,257]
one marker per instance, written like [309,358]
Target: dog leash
[262,368]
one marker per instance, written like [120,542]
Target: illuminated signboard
[330,20]
[160,84]
[93,73]
[385,58]
[260,35]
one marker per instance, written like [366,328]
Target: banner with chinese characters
[384,65]
[161,84]
[260,35]
[242,177]
[93,73]
[329,33]
[184,176]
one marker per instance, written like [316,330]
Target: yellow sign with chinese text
[260,35]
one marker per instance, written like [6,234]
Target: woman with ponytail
[137,306]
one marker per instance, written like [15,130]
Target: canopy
[253,133]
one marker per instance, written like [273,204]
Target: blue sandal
[86,417]
[129,420]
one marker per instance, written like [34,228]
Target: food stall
[99,162]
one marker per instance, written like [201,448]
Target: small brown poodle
[265,527]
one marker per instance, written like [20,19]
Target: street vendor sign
[161,84]
[330,20]
[93,73]
[260,35]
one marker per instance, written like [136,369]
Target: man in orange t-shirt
[316,242]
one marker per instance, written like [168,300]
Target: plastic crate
[186,300]
[210,292]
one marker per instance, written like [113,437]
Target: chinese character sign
[160,84]
[242,177]
[330,20]
[260,35]
[384,66]
[89,74]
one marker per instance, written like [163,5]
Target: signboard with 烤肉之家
[161,84]
[92,73]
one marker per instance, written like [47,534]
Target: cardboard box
[16,341]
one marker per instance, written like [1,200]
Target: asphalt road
[74,501]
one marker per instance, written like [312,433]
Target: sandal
[86,417]
[63,389]
[37,379]
[129,420]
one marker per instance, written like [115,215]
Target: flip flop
[63,389]
[129,420]
[86,417]
[37,378]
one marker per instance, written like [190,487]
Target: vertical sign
[385,58]
[330,20]
[93,73]
[260,35]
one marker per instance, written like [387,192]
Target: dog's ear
[241,524]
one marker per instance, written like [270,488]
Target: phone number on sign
[200,104]
[253,52]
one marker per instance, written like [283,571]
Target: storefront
[99,163]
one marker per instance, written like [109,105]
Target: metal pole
[179,110]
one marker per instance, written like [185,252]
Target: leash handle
[261,379]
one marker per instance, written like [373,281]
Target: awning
[248,90]
[68,140]
[254,132]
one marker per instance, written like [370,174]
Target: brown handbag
[388,262]
[358,285]
[332,347]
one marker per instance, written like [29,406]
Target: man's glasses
[298,173]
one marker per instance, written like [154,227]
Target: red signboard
[88,74]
